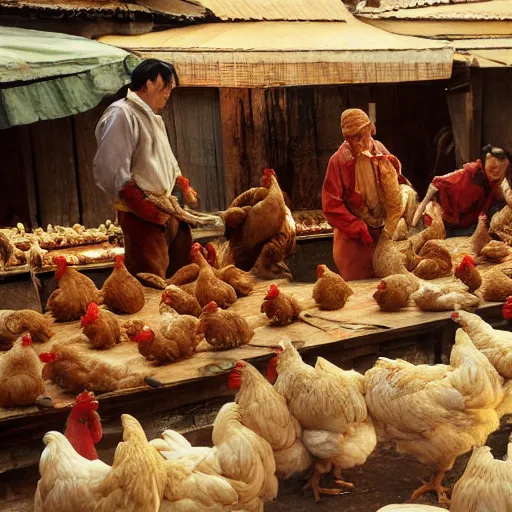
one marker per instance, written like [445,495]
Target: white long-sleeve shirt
[133,143]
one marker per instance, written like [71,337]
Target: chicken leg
[314,484]
[339,479]
[435,484]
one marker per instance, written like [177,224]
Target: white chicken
[406,507]
[239,455]
[330,407]
[436,413]
[486,483]
[265,412]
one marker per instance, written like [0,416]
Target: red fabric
[463,194]
[338,191]
[158,249]
[352,258]
[133,197]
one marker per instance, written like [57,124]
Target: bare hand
[191,198]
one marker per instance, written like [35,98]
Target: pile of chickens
[303,422]
[405,268]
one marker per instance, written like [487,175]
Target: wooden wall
[222,139]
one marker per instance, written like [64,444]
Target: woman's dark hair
[150,69]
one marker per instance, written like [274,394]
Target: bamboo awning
[270,54]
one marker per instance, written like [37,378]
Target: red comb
[145,335]
[119,261]
[211,307]
[48,357]
[428,220]
[455,315]
[273,292]
[91,315]
[507,309]
[26,341]
[235,377]
[320,271]
[272,369]
[86,397]
[381,286]
[195,248]
[467,262]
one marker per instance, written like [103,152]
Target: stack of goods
[80,246]
[311,222]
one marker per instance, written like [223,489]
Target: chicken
[468,274]
[436,413]
[185,275]
[138,477]
[224,330]
[14,323]
[20,375]
[121,292]
[507,309]
[387,259]
[432,297]
[434,230]
[496,345]
[101,327]
[496,286]
[409,508]
[330,407]
[239,454]
[265,412]
[152,280]
[175,339]
[436,261]
[73,371]
[485,484]
[480,238]
[501,224]
[330,291]
[208,287]
[242,282]
[411,259]
[179,300]
[83,426]
[393,292]
[70,300]
[280,308]
[68,480]
[495,251]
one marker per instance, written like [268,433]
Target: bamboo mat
[360,317]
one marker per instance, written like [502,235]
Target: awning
[269,54]
[47,76]
[485,53]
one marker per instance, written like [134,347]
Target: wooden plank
[474,109]
[55,172]
[196,120]
[94,205]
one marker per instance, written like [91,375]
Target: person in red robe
[465,193]
[351,201]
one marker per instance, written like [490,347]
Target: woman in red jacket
[351,197]
[463,194]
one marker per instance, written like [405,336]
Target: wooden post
[474,113]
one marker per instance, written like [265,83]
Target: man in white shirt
[134,155]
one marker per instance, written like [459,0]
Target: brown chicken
[121,292]
[495,251]
[387,259]
[70,300]
[208,287]
[480,238]
[73,371]
[280,308]
[101,327]
[179,300]
[436,261]
[224,330]
[434,227]
[185,275]
[393,292]
[330,291]
[174,340]
[242,282]
[468,274]
[496,286]
[501,224]
[20,375]
[14,323]
[83,426]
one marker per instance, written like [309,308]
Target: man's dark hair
[150,69]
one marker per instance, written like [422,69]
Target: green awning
[44,75]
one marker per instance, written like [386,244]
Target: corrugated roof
[492,10]
[390,5]
[75,5]
[489,52]
[274,10]
[285,53]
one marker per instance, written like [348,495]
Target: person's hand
[190,196]
[365,235]
[417,215]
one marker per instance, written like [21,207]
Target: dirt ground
[386,478]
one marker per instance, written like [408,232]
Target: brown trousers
[154,248]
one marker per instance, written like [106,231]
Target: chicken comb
[272,370]
[85,397]
[273,292]
[455,316]
[166,299]
[381,286]
[428,220]
[235,377]
[482,215]
[183,182]
[60,261]
[91,315]
[48,357]
[62,265]
[320,271]
[119,261]
[195,248]
[26,341]
[507,309]
[211,307]
[212,254]
[467,261]
[144,335]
